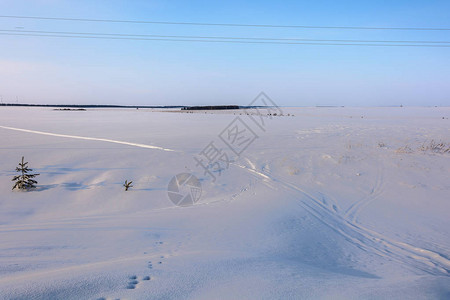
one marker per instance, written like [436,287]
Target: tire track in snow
[364,238]
[89,138]
[352,212]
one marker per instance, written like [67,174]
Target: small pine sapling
[127,185]
[24,181]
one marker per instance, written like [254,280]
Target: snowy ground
[330,202]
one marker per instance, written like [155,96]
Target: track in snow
[369,240]
[354,209]
[88,138]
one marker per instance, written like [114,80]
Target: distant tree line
[210,107]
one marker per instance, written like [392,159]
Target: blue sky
[81,71]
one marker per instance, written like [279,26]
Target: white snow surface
[341,203]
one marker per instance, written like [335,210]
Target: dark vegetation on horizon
[92,105]
[182,107]
[211,107]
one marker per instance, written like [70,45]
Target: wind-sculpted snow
[327,203]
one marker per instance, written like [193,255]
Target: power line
[225,24]
[219,37]
[220,41]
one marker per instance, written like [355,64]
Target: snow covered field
[329,203]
